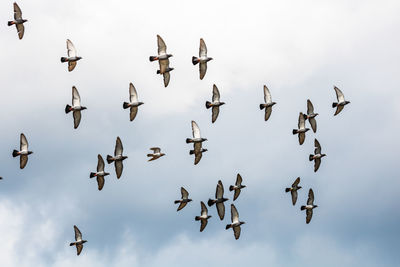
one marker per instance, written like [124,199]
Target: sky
[299,49]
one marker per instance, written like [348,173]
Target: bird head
[299,187]
[83,108]
[78,58]
[273,103]
[84,241]
[240,223]
[210,58]
[307,129]
[169,69]
[316,114]
[169,55]
[189,200]
[124,157]
[225,199]
[347,102]
[315,206]
[204,150]
[30,152]
[162,154]
[140,103]
[24,20]
[222,103]
[209,216]
[323,155]
[106,173]
[243,186]
[203,139]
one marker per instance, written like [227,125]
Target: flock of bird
[197,141]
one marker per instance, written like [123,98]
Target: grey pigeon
[310,206]
[196,135]
[203,218]
[182,202]
[100,172]
[341,101]
[198,152]
[235,225]
[268,103]
[72,57]
[237,187]
[202,59]
[133,102]
[23,151]
[215,104]
[163,60]
[302,129]
[317,155]
[118,157]
[76,107]
[311,116]
[18,21]
[156,153]
[293,190]
[219,200]
[78,241]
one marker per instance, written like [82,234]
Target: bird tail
[72,244]
[109,159]
[311,157]
[188,141]
[153,59]
[64,59]
[228,226]
[67,109]
[92,174]
[210,202]
[125,105]
[334,104]
[287,189]
[177,201]
[197,218]
[294,131]
[302,207]
[195,60]
[208,104]
[10,23]
[231,188]
[262,106]
[15,153]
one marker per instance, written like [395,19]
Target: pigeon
[302,130]
[78,241]
[198,152]
[311,116]
[76,107]
[310,206]
[268,103]
[219,200]
[18,21]
[235,225]
[196,134]
[118,158]
[100,172]
[203,217]
[341,101]
[23,152]
[237,187]
[163,60]
[215,104]
[184,199]
[133,102]
[72,58]
[293,190]
[156,153]
[317,155]
[202,59]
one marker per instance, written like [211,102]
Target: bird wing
[302,137]
[215,112]
[79,248]
[71,49]
[267,95]
[71,65]
[221,210]
[197,157]
[181,206]
[204,210]
[23,160]
[77,118]
[296,182]
[100,182]
[118,168]
[317,162]
[202,69]
[238,180]
[268,111]
[23,143]
[76,99]
[20,30]
[236,194]
[339,94]
[133,112]
[216,96]
[294,196]
[78,234]
[195,130]
[313,123]
[184,193]
[162,48]
[219,193]
[118,147]
[100,163]
[310,107]
[236,232]
[132,93]
[17,12]
[166,77]
[302,121]
[203,225]
[234,214]
[317,147]
[338,109]
[155,149]
[202,49]
[310,199]
[309,213]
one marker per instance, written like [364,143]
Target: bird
[133,102]
[311,116]
[310,206]
[72,58]
[100,172]
[18,21]
[237,187]
[235,225]
[202,59]
[198,152]
[78,241]
[203,218]
[302,129]
[215,104]
[163,60]
[184,199]
[219,200]
[268,103]
[23,151]
[118,157]
[341,101]
[156,153]
[76,107]
[317,155]
[196,135]
[293,190]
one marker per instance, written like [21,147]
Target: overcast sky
[299,49]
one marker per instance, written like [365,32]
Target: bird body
[72,57]
[184,199]
[237,187]
[76,107]
[219,200]
[23,152]
[215,104]
[317,155]
[310,116]
[202,59]
[156,153]
[100,173]
[118,157]
[310,206]
[203,217]
[78,241]
[293,190]
[268,103]
[163,60]
[341,102]
[235,225]
[133,102]
[301,131]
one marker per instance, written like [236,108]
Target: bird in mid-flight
[203,218]
[317,155]
[185,199]
[202,59]
[133,102]
[18,21]
[118,157]
[156,153]
[310,206]
[78,241]
[198,152]
[76,107]
[163,60]
[196,135]
[293,190]
[341,101]
[235,225]
[215,104]
[237,187]
[23,151]
[72,57]
[268,103]
[302,129]
[311,116]
[219,200]
[100,172]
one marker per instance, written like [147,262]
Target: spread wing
[339,94]
[202,69]
[203,225]
[317,147]
[100,163]
[221,210]
[234,214]
[156,149]
[20,30]
[310,199]
[236,232]
[197,157]
[302,121]
[100,182]
[313,123]
[309,214]
[118,168]
[77,118]
[79,248]
[219,193]
[181,206]
[133,113]
[166,77]
[71,49]
[195,130]
[238,180]
[317,162]
[23,160]
[294,196]
[215,112]
[267,95]
[302,137]
[236,194]
[310,107]
[118,147]
[268,111]
[76,99]
[17,12]
[184,193]
[203,49]
[23,143]
[216,96]
[204,210]
[296,182]
[132,93]
[71,65]
[78,234]
[338,109]
[162,48]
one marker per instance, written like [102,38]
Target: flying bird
[302,129]
[341,101]
[235,225]
[202,59]
[268,103]
[23,151]
[311,116]
[100,172]
[133,102]
[310,206]
[317,155]
[163,60]
[196,135]
[118,157]
[72,58]
[76,107]
[156,153]
[203,218]
[78,241]
[215,104]
[293,190]
[18,21]
[237,187]
[184,199]
[219,200]
[198,152]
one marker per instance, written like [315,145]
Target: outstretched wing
[219,193]
[132,93]
[100,182]
[268,111]
[294,196]
[204,210]
[71,65]
[216,95]
[118,168]
[215,113]
[302,121]
[309,214]
[162,48]
[195,130]
[181,206]
[20,30]
[310,199]
[184,193]
[267,95]
[221,210]
[23,160]
[203,225]
[71,49]
[78,234]
[23,143]
[313,123]
[17,12]
[234,214]
[118,147]
[339,94]
[238,180]
[76,99]
[338,109]
[296,182]
[202,69]
[197,156]
[236,194]
[302,137]
[310,107]
[166,77]
[236,232]
[317,162]
[203,49]
[317,147]
[77,118]
[79,248]
[133,113]
[100,163]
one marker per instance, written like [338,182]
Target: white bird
[118,157]
[215,104]
[235,225]
[18,21]
[133,102]
[219,200]
[310,206]
[156,153]
[163,60]
[203,218]
[302,129]
[293,190]
[185,199]
[311,116]
[237,187]
[202,59]
[23,151]
[78,241]
[100,172]
[268,103]
[76,107]
[317,155]
[341,101]
[72,57]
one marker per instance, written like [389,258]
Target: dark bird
[133,102]
[18,21]
[302,129]
[163,60]
[235,225]
[237,187]
[118,157]
[219,200]
[293,190]
[341,101]
[317,155]
[78,241]
[100,172]
[202,59]
[196,134]
[311,116]
[156,153]
[23,151]
[203,218]
[184,199]
[268,103]
[72,58]
[198,152]
[76,107]
[310,206]
[215,104]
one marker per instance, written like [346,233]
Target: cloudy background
[299,49]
